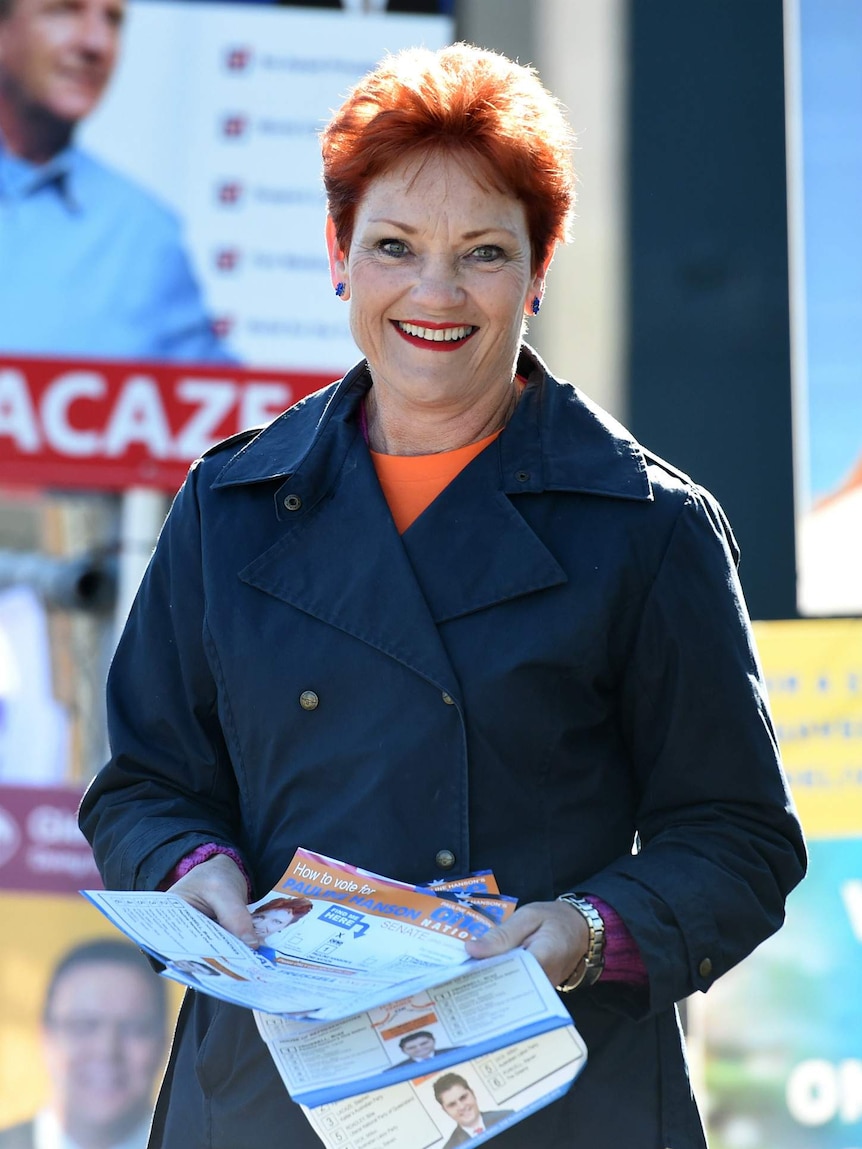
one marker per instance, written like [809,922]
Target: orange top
[412,482]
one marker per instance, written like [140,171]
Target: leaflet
[499,1090]
[334,940]
[372,1010]
[502,1000]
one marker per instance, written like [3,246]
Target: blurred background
[163,283]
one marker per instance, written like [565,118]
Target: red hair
[461,100]
[299,907]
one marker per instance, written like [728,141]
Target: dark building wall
[709,358]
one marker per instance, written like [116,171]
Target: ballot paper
[365,996]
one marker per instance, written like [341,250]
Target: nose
[106,1040]
[97,33]
[438,285]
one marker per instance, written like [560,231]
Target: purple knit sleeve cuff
[623,961]
[201,854]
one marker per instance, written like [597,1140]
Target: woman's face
[268,922]
[439,279]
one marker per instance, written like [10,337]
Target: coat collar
[557,439]
[339,557]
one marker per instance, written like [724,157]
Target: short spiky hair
[461,100]
[449,1081]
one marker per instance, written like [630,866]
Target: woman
[447,615]
[276,915]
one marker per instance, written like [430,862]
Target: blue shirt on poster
[92,265]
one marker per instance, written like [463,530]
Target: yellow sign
[39,930]
[813,671]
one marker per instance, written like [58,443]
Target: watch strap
[589,969]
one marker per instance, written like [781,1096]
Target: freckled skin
[435,249]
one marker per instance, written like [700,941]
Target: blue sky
[831,46]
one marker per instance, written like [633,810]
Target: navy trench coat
[550,674]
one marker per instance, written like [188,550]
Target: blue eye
[394,247]
[487,253]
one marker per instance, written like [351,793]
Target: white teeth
[436,334]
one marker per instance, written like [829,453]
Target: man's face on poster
[57,56]
[420,1047]
[103,1043]
[461,1105]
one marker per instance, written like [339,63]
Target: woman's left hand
[554,933]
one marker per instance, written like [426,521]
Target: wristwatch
[589,969]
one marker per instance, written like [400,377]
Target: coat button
[522,476]
[705,968]
[445,859]
[308,700]
[293,502]
[448,699]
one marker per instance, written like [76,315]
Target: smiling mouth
[439,337]
[91,81]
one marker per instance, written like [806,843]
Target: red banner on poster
[107,425]
[41,847]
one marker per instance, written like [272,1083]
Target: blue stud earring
[340,289]
[535,305]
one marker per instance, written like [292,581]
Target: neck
[31,134]
[90,1136]
[396,428]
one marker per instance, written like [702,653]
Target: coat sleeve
[169,784]
[719,844]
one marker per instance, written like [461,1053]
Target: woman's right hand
[217,887]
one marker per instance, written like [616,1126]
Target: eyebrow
[410,230]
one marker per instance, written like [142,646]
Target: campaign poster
[824,39]
[165,280]
[777,1042]
[84,1020]
[163,285]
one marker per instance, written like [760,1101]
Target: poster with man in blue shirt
[92,264]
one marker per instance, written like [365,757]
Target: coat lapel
[471,549]
[340,557]
[343,562]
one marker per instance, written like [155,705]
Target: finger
[554,933]
[553,955]
[236,919]
[560,944]
[513,933]
[230,913]
[217,888]
[228,908]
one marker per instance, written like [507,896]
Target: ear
[537,283]
[337,259]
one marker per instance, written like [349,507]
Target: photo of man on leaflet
[459,1101]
